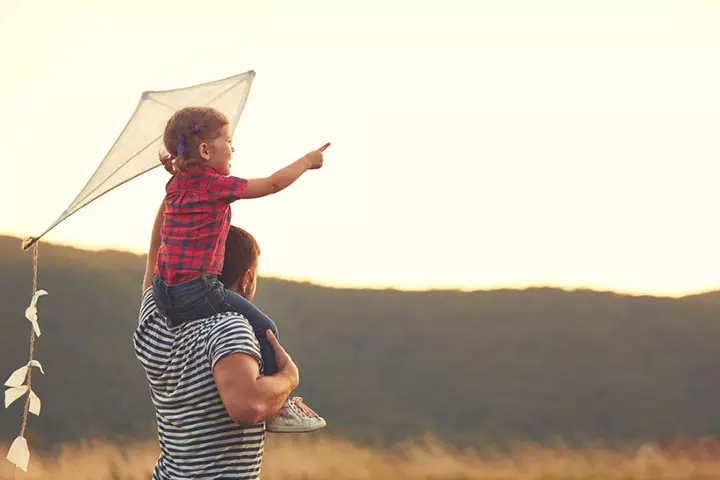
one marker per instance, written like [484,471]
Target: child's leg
[183,302]
[258,320]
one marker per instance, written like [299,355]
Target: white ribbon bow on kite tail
[31,311]
[17,389]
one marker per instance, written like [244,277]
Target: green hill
[385,365]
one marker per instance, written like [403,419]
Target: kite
[133,153]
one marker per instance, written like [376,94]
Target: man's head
[239,272]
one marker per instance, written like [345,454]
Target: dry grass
[291,458]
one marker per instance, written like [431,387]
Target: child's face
[220,151]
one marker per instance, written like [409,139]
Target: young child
[186,283]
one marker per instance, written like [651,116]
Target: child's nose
[232,149]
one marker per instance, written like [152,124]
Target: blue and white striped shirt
[198,440]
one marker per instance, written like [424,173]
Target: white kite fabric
[134,153]
[136,149]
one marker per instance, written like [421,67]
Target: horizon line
[458,289]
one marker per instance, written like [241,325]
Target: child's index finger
[324,147]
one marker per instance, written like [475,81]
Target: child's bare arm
[154,247]
[280,180]
[283,178]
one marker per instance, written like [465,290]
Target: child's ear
[204,151]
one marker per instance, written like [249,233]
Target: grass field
[290,458]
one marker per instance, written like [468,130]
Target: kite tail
[32,346]
[19,453]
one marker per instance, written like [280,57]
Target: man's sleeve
[231,335]
[147,305]
[227,189]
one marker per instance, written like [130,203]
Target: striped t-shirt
[198,440]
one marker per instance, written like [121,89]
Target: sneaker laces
[297,404]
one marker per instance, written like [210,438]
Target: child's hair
[185,131]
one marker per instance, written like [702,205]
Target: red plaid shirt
[197,220]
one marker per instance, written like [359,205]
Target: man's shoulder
[228,324]
[228,333]
[219,321]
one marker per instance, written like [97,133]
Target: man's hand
[285,364]
[316,157]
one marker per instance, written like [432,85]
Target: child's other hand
[316,157]
[167,160]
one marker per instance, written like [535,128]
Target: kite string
[32,351]
[32,345]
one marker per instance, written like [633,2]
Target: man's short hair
[241,254]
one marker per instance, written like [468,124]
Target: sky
[475,144]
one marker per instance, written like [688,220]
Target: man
[205,378]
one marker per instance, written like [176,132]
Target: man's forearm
[271,393]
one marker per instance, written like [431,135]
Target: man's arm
[283,178]
[250,398]
[154,247]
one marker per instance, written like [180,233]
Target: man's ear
[242,284]
[236,286]
[246,279]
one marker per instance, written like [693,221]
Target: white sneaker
[295,417]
